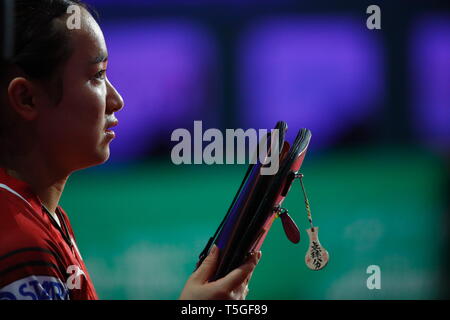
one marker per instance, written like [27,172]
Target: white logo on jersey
[35,288]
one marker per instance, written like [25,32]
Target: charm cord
[308,210]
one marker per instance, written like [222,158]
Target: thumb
[208,266]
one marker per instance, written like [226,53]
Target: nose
[114,101]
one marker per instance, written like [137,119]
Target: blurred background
[377,171]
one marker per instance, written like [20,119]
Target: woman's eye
[100,75]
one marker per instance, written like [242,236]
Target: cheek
[79,119]
[87,110]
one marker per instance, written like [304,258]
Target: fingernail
[213,249]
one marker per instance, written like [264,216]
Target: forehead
[88,42]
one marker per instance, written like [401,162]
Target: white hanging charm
[317,257]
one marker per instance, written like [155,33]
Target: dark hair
[41,43]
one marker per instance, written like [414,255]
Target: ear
[22,98]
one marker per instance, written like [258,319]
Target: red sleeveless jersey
[38,259]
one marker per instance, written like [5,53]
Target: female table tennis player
[57,109]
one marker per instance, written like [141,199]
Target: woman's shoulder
[20,225]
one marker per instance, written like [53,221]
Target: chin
[97,158]
[104,155]
[88,157]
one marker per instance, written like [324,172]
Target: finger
[236,277]
[208,266]
[259,253]
[242,292]
[245,293]
[247,280]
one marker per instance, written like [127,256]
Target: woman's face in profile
[75,131]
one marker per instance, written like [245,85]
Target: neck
[48,189]
[46,182]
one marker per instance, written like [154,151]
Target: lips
[110,134]
[111,124]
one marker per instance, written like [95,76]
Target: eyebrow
[103,57]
